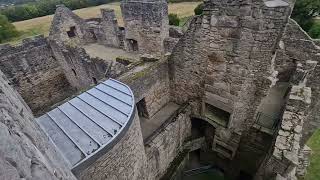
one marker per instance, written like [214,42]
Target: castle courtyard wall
[35,73]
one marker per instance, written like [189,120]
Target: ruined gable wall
[26,152]
[63,21]
[35,73]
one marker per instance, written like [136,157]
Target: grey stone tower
[146,23]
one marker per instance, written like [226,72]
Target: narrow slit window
[142,108]
[74,72]
[94,80]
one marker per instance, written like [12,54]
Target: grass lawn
[41,25]
[314,168]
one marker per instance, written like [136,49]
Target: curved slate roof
[88,125]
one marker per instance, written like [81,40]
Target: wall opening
[94,80]
[74,72]
[217,115]
[133,45]
[201,128]
[142,108]
[72,32]
[244,176]
[93,35]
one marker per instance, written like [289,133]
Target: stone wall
[297,60]
[68,27]
[227,58]
[26,152]
[152,84]
[167,144]
[34,72]
[126,160]
[284,158]
[147,23]
[109,25]
[81,70]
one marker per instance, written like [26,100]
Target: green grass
[313,172]
[183,20]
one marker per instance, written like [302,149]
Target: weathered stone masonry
[35,73]
[25,151]
[232,58]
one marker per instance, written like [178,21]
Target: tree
[314,31]
[7,30]
[174,20]
[199,9]
[305,11]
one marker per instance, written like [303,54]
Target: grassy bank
[314,168]
[41,25]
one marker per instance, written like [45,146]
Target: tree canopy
[7,30]
[305,12]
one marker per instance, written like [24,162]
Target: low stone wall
[151,83]
[26,152]
[34,71]
[167,144]
[284,158]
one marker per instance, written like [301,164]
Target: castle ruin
[235,88]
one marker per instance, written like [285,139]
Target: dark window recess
[94,80]
[217,115]
[133,45]
[93,34]
[244,176]
[142,108]
[72,32]
[74,72]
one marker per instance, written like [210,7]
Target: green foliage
[7,30]
[174,20]
[199,9]
[45,7]
[313,171]
[314,31]
[305,11]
